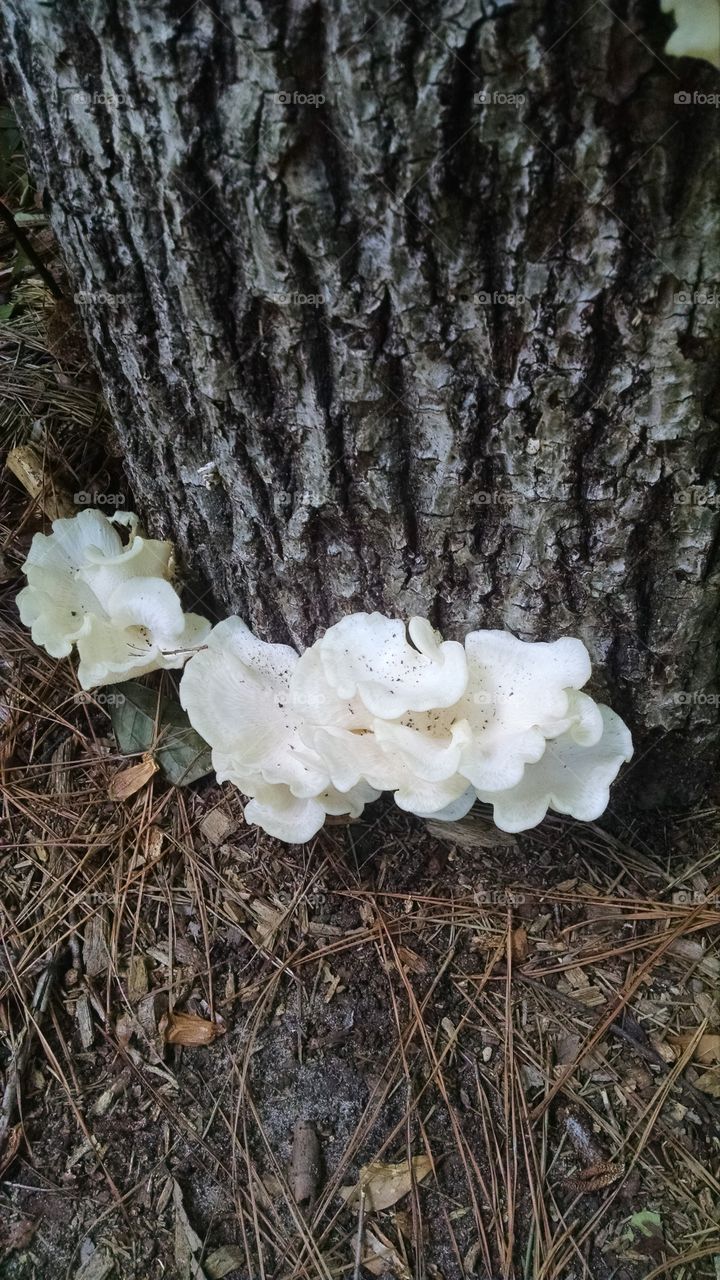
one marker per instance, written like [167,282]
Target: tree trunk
[409,309]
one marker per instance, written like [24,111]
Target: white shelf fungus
[239,695]
[372,706]
[697,33]
[113,600]
[368,709]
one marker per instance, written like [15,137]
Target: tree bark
[408,308]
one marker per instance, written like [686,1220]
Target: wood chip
[305,1165]
[138,984]
[519,944]
[83,1017]
[30,468]
[217,825]
[473,832]
[95,949]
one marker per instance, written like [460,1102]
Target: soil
[369,988]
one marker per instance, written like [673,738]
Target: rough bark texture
[293,228]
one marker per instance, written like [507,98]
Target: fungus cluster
[114,600]
[371,706]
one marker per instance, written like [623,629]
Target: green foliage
[145,720]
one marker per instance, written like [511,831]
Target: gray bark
[299,310]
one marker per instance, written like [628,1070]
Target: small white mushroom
[114,601]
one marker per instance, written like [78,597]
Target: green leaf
[145,720]
[6,310]
[644,1236]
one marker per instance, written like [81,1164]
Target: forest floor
[399,1051]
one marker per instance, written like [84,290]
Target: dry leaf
[690,949]
[97,1267]
[229,1257]
[411,961]
[706,1051]
[20,1234]
[385,1184]
[709,1082]
[269,920]
[125,784]
[188,1245]
[189,1029]
[380,1256]
[11,1147]
[595,1177]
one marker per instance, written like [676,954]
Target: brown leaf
[11,1148]
[128,781]
[709,1082]
[189,1029]
[385,1184]
[411,960]
[595,1177]
[21,1233]
[706,1051]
